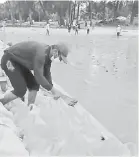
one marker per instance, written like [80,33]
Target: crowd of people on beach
[75,26]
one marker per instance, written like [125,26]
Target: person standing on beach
[118,30]
[88,29]
[76,29]
[48,29]
[69,27]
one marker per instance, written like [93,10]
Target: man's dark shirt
[34,56]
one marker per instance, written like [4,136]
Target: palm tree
[38,9]
[43,5]
[134,11]
[90,9]
[70,11]
[20,10]
[78,11]
[10,8]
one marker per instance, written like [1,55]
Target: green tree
[69,10]
[134,10]
[78,10]
[90,10]
[61,7]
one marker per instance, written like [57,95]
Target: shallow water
[104,78]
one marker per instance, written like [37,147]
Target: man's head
[10,44]
[60,51]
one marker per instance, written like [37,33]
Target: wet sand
[104,78]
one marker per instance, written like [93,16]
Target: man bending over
[21,59]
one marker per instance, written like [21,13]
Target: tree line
[67,10]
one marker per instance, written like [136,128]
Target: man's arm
[47,73]
[66,98]
[38,72]
[39,75]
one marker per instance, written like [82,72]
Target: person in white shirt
[118,30]
[47,29]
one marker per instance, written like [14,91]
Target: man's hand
[69,101]
[57,94]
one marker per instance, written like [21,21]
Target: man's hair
[54,47]
[62,49]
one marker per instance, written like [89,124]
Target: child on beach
[76,29]
[88,29]
[118,30]
[47,29]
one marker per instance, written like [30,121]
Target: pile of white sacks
[54,128]
[10,143]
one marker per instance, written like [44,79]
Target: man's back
[25,52]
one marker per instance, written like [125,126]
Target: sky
[2,1]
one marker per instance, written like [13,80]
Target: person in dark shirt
[76,29]
[69,28]
[21,59]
